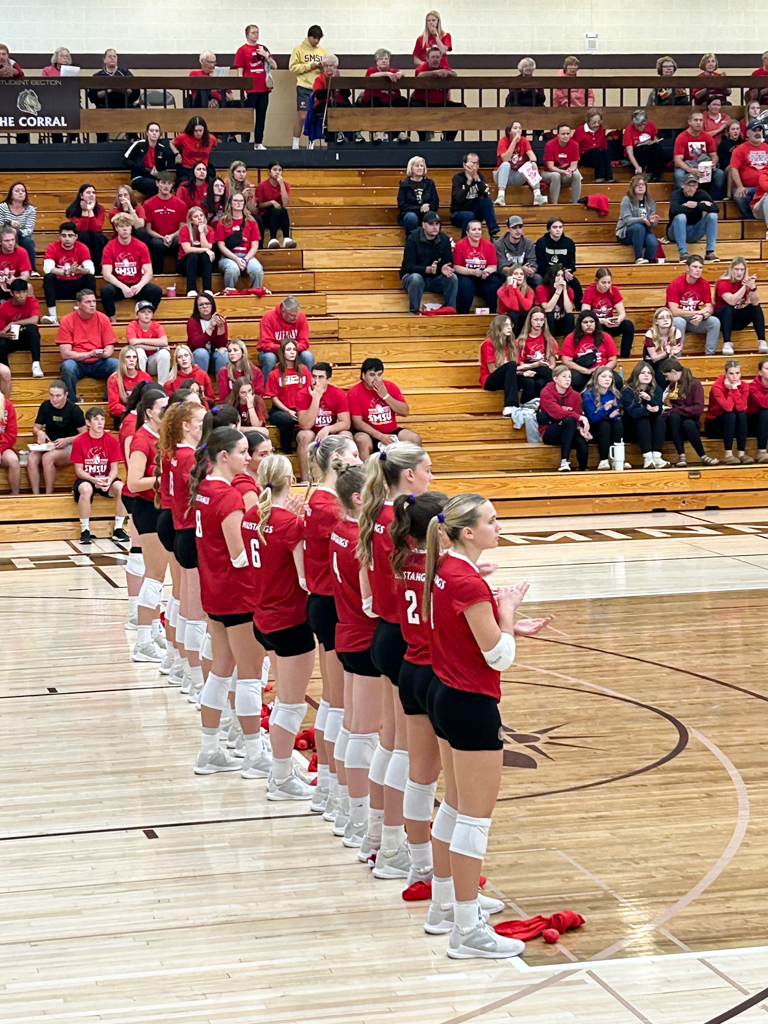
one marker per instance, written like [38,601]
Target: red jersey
[456,655]
[689,297]
[245,484]
[125,434]
[279,600]
[126,260]
[165,216]
[289,388]
[722,287]
[266,192]
[10,314]
[322,516]
[192,150]
[603,353]
[432,97]
[749,161]
[634,136]
[238,236]
[181,465]
[95,454]
[379,94]
[165,482]
[355,629]
[68,258]
[196,374]
[224,590]
[603,303]
[474,257]
[115,404]
[333,401]
[364,402]
[420,49]
[520,155]
[254,66]
[13,265]
[144,440]
[380,575]
[409,592]
[562,156]
[273,329]
[694,147]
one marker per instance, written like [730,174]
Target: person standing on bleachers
[253,60]
[19,319]
[304,63]
[127,269]
[428,264]
[471,198]
[86,342]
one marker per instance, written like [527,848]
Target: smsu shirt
[355,629]
[287,389]
[276,605]
[474,257]
[634,136]
[561,156]
[322,515]
[749,161]
[694,148]
[68,259]
[520,155]
[689,297]
[254,66]
[224,590]
[332,402]
[13,265]
[409,593]
[365,403]
[603,353]
[95,454]
[603,303]
[126,260]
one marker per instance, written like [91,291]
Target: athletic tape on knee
[151,593]
[444,823]
[194,634]
[333,722]
[135,564]
[206,651]
[287,716]
[379,764]
[248,697]
[419,801]
[215,692]
[172,610]
[397,771]
[340,748]
[470,837]
[322,716]
[360,750]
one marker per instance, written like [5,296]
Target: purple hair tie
[203,447]
[267,487]
[440,517]
[382,456]
[411,498]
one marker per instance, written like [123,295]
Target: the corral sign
[39,104]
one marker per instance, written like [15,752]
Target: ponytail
[458,513]
[323,453]
[275,475]
[413,514]
[222,439]
[171,435]
[350,480]
[382,472]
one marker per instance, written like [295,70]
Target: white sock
[143,635]
[51,311]
[119,520]
[254,746]
[84,524]
[323,777]
[358,810]
[209,742]
[281,768]
[392,838]
[344,799]
[443,894]
[465,916]
[196,671]
[375,822]
[333,786]
[421,857]
[133,606]
[156,624]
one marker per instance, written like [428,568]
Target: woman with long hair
[727,414]
[512,151]
[250,406]
[194,190]
[516,296]
[683,406]
[662,341]
[283,386]
[215,201]
[17,211]
[207,333]
[125,201]
[87,214]
[637,219]
[556,299]
[238,365]
[416,195]
[536,355]
[9,433]
[602,407]
[147,158]
[757,411]
[237,183]
[432,36]
[498,369]
[272,199]
[588,348]
[737,304]
[238,237]
[197,253]
[472,642]
[183,369]
[194,143]
[123,381]
[642,405]
[607,303]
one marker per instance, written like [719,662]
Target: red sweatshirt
[723,399]
[94,223]
[196,374]
[758,396]
[115,404]
[197,338]
[558,406]
[274,329]
[9,430]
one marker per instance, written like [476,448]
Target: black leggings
[599,159]
[651,158]
[276,220]
[29,337]
[566,434]
[626,331]
[737,319]
[196,264]
[757,426]
[605,433]
[729,425]
[504,378]
[531,387]
[62,288]
[647,431]
[259,101]
[94,241]
[683,429]
[560,326]
[286,424]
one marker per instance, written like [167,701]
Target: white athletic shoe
[289,243]
[482,942]
[353,835]
[292,789]
[396,866]
[302,773]
[218,761]
[132,622]
[266,741]
[762,347]
[329,814]
[234,733]
[258,145]
[259,768]
[489,904]
[273,243]
[507,410]
[564,467]
[186,682]
[340,822]
[158,635]
[440,922]
[194,693]
[37,370]
[368,848]
[147,652]
[319,800]
[176,678]
[727,349]
[603,464]
[660,463]
[540,200]
[51,320]
[167,662]
[415,875]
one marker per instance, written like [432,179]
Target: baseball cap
[690,179]
[515,222]
[431,218]
[143,304]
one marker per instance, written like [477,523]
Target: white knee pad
[194,634]
[419,801]
[181,630]
[172,611]
[322,716]
[135,564]
[360,750]
[151,593]
[215,692]
[333,723]
[340,749]
[397,771]
[206,651]
[378,768]
[444,823]
[470,837]
[287,716]
[233,682]
[248,697]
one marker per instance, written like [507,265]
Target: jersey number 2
[413,603]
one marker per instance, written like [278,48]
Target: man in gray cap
[515,250]
[428,263]
[692,214]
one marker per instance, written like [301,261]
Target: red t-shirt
[520,155]
[76,256]
[254,66]
[192,196]
[420,49]
[145,441]
[486,356]
[562,156]
[722,287]
[689,297]
[94,223]
[192,150]
[603,303]
[10,314]
[323,514]
[512,300]
[355,629]
[456,655]
[9,428]
[210,234]
[224,590]
[273,329]
[381,576]
[544,293]
[270,560]
[478,257]
[588,140]
[115,404]
[138,210]
[238,236]
[749,161]
[289,389]
[13,265]
[534,348]
[605,351]
[95,454]
[126,260]
[150,158]
[694,147]
[634,136]
[266,192]
[178,486]
[364,402]
[433,97]
[333,402]
[196,374]
[165,216]
[379,94]
[85,335]
[135,332]
[409,592]
[215,94]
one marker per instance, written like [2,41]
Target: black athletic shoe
[120,534]
[85,537]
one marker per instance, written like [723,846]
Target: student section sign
[39,104]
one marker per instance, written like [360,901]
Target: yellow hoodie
[305,63]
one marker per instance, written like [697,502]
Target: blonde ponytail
[275,474]
[459,513]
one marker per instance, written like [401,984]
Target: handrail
[517,81]
[154,82]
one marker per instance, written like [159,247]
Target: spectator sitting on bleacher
[374,405]
[561,160]
[272,199]
[250,406]
[513,249]
[557,301]
[185,369]
[709,69]
[762,93]
[689,299]
[193,191]
[517,97]
[643,145]
[215,203]
[58,422]
[87,214]
[757,410]
[146,159]
[323,408]
[715,121]
[642,404]
[86,342]
[748,161]
[6,380]
[8,68]
[206,97]
[238,365]
[9,432]
[428,264]
[17,211]
[694,147]
[323,88]
[237,181]
[683,406]
[637,219]
[19,318]
[601,402]
[60,56]
[593,146]
[752,111]
[555,249]
[283,386]
[150,340]
[127,269]
[572,97]
[516,296]
[662,341]
[435,66]
[416,195]
[474,261]
[125,378]
[284,322]
[561,422]
[237,237]
[384,97]
[304,63]
[668,95]
[512,152]
[114,99]
[737,304]
[196,251]
[14,261]
[587,349]
[207,334]
[96,457]
[498,369]
[608,304]
[731,140]
[193,144]
[253,60]
[537,355]
[471,198]
[68,268]
[432,37]
[726,416]
[126,202]
[693,213]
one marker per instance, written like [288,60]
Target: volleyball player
[227,593]
[402,468]
[166,533]
[472,642]
[247,483]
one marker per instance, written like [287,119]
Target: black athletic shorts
[322,618]
[287,643]
[96,490]
[359,662]
[145,515]
[238,619]
[166,532]
[128,502]
[414,684]
[388,650]
[468,721]
[185,548]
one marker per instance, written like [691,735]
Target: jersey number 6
[255,553]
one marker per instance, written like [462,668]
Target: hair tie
[267,487]
[203,447]
[382,456]
[410,499]
[440,517]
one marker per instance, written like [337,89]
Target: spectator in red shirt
[512,152]
[165,214]
[9,432]
[747,162]
[715,121]
[87,214]
[238,237]
[184,369]
[193,191]
[694,147]
[757,411]
[238,365]
[593,146]
[571,97]
[588,348]
[516,296]
[86,342]
[283,386]
[435,66]
[8,68]
[709,69]
[737,304]
[14,261]
[384,97]
[126,202]
[727,414]
[759,94]
[608,304]
[206,97]
[96,457]
[537,354]
[322,409]
[127,269]
[125,378]
[561,422]
[193,144]
[643,145]
[689,299]
[250,406]
[207,334]
[19,317]
[561,159]
[498,369]
[197,253]
[253,60]
[374,405]
[150,340]
[279,324]
[475,261]
[67,268]
[273,199]
[432,37]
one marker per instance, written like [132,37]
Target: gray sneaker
[147,652]
[368,848]
[218,761]
[329,814]
[176,677]
[167,662]
[440,922]
[483,943]
[319,800]
[258,768]
[396,866]
[292,789]
[340,822]
[353,835]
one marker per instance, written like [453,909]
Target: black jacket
[637,408]
[410,201]
[560,254]
[115,99]
[421,252]
[692,216]
[465,194]
[134,158]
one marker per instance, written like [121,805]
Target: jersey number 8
[198,523]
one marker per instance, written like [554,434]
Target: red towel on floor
[423,890]
[440,311]
[259,292]
[536,925]
[598,201]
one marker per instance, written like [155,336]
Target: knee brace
[419,801]
[444,823]
[360,750]
[340,749]
[322,716]
[333,723]
[288,717]
[151,593]
[470,837]
[206,650]
[215,692]
[135,563]
[181,630]
[172,611]
[397,771]
[248,697]
[194,634]
[379,764]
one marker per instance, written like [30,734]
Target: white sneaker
[292,789]
[340,822]
[258,768]
[273,243]
[648,462]
[396,866]
[258,145]
[482,942]
[640,261]
[147,652]
[329,814]
[540,200]
[239,748]
[158,635]
[489,904]
[660,463]
[353,835]
[288,243]
[167,662]
[296,144]
[51,320]
[501,199]
[368,848]
[34,273]
[194,693]
[440,922]
[728,349]
[186,682]
[310,144]
[218,761]
[507,410]
[37,370]
[564,467]
[176,678]
[604,464]
[319,800]
[132,622]
[192,294]
[234,732]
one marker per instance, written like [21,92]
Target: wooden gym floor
[133,891]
